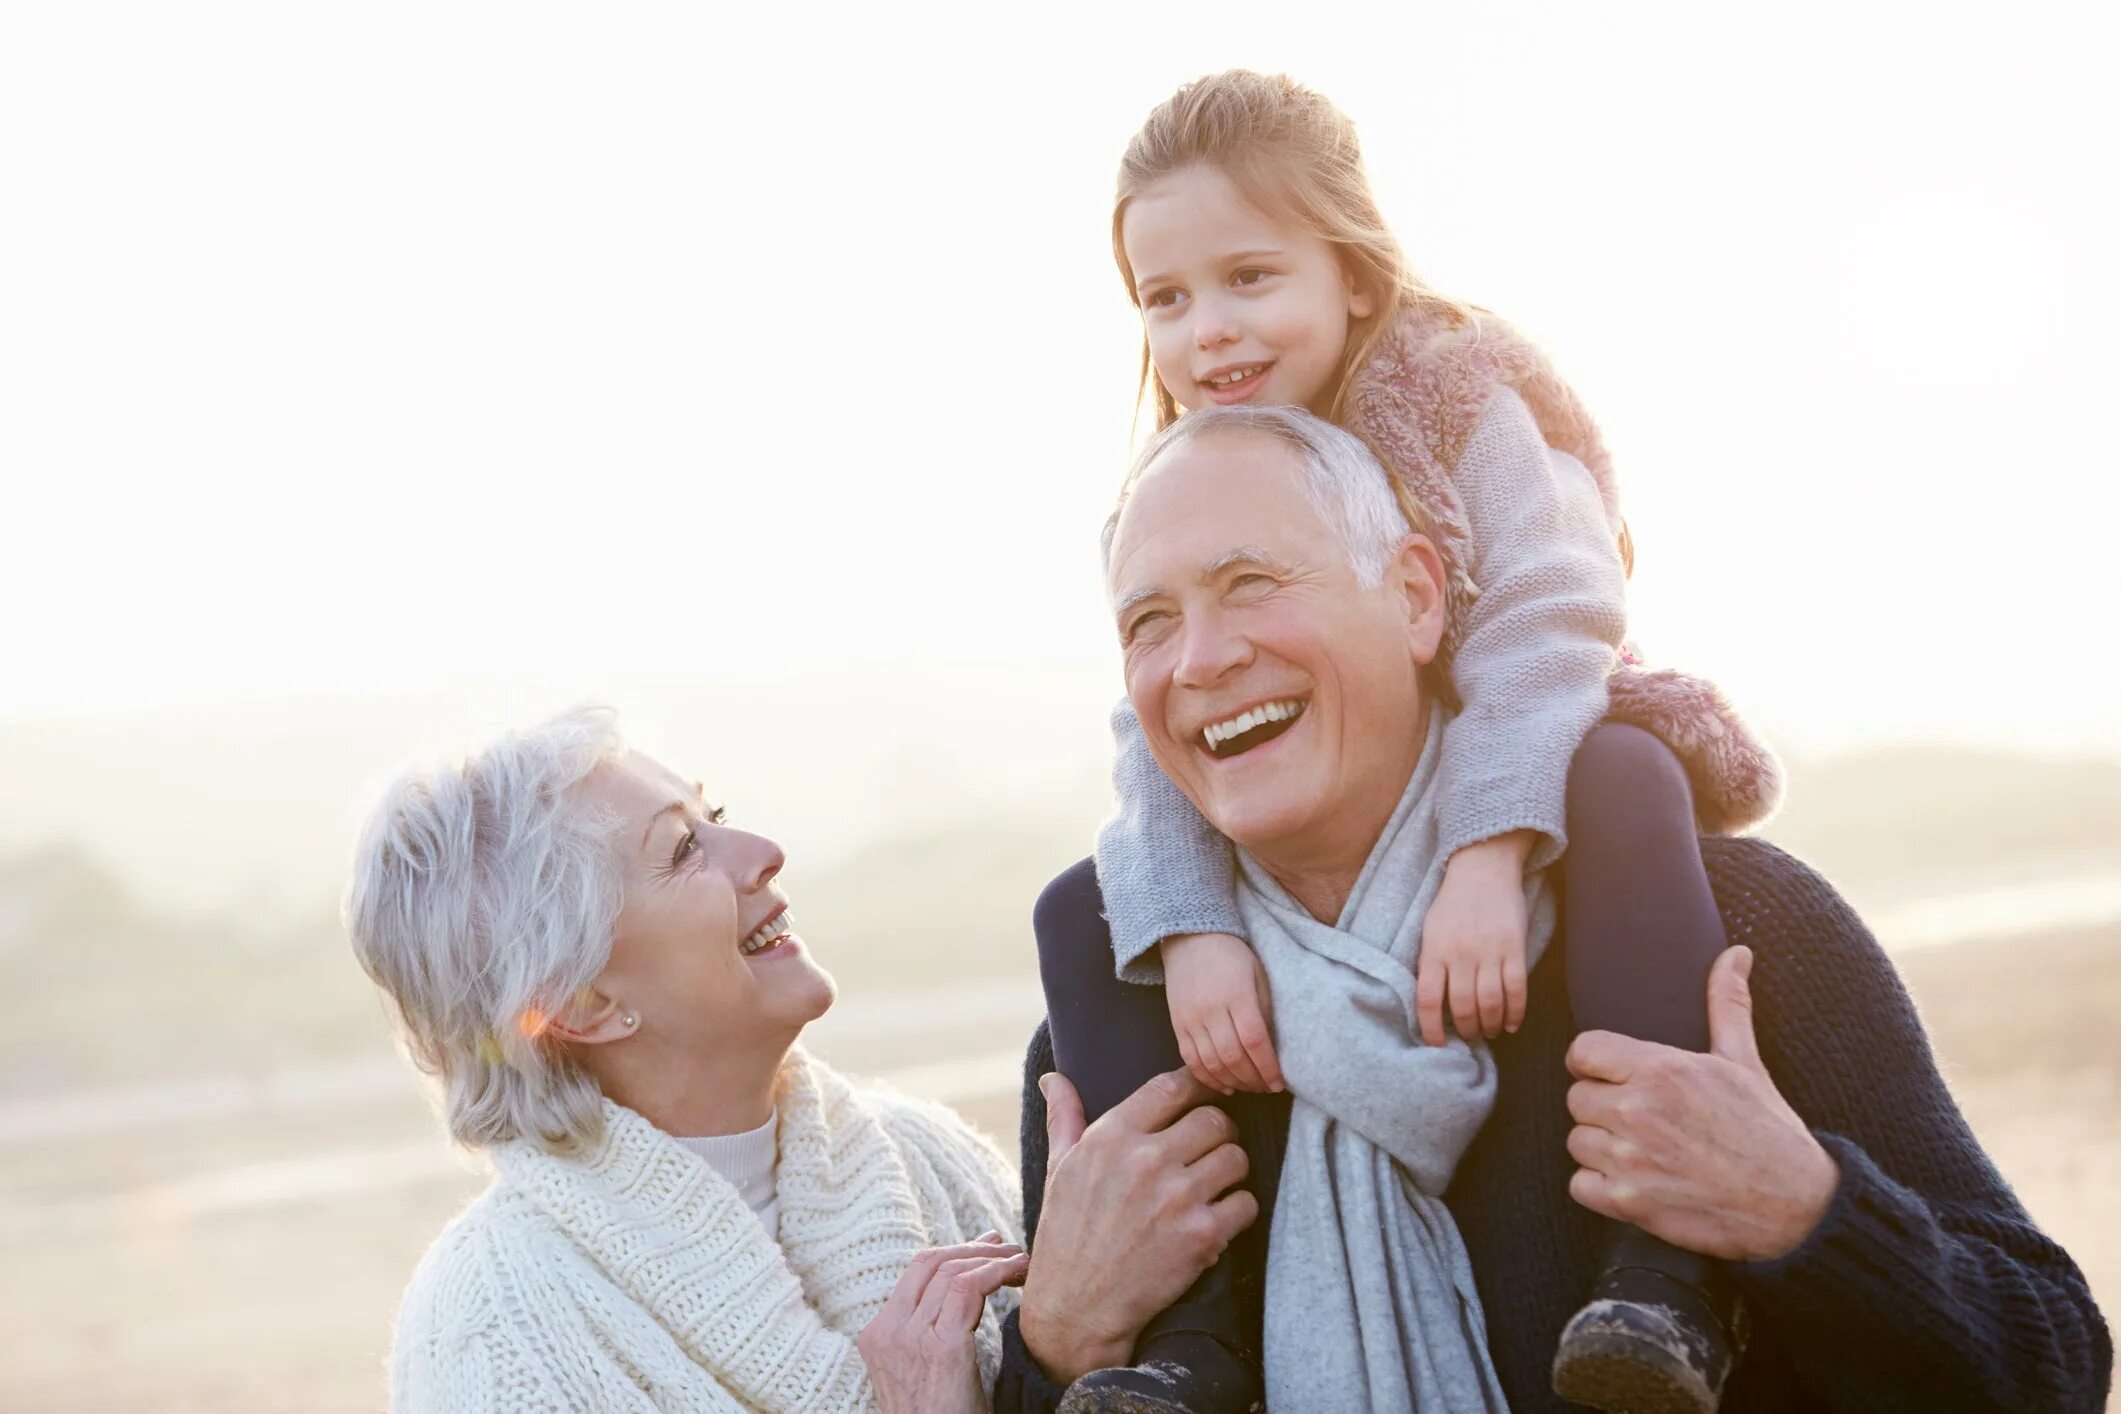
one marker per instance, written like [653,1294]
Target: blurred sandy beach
[214,1191]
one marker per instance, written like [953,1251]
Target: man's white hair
[484,897]
[1342,479]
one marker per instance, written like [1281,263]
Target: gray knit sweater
[1544,634]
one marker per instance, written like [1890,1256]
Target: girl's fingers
[1489,992]
[1258,1040]
[1203,1063]
[1223,1042]
[1235,1061]
[1513,993]
[1465,1001]
[1209,1065]
[1428,1001]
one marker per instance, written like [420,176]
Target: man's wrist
[1809,1204]
[1062,1351]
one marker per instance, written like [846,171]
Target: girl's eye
[1249,276]
[1160,299]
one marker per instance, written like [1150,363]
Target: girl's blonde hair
[1293,154]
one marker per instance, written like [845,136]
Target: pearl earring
[630,1020]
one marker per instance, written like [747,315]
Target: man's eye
[1146,623]
[1251,580]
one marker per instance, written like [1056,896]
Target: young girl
[1250,241]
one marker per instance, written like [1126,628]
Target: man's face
[1279,693]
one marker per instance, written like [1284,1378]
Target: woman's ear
[1417,571]
[592,1019]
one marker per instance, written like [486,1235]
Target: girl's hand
[919,1347]
[1472,943]
[1221,1011]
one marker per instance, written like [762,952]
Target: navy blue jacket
[1926,1286]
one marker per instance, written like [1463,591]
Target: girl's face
[1239,307]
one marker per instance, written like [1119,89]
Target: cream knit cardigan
[632,1276]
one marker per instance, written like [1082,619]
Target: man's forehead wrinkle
[1242,555]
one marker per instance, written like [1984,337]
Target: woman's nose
[757,860]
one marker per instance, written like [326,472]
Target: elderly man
[1813,1149]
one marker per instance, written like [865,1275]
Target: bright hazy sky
[397,346]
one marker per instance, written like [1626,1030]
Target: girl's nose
[1213,326]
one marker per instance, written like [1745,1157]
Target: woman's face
[1238,307]
[705,956]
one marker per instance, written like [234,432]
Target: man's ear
[592,1019]
[1417,572]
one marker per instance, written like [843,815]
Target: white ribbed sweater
[633,1276]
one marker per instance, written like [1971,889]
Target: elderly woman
[687,1212]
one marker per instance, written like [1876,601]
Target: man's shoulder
[1770,897]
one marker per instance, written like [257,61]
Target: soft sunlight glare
[396,347]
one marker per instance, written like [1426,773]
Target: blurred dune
[222,1173]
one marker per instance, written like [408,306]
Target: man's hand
[1221,1012]
[1137,1206]
[1472,942]
[1700,1150]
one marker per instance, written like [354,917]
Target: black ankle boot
[1182,1372]
[1660,1334]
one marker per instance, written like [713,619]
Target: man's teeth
[1234,376]
[1243,722]
[772,928]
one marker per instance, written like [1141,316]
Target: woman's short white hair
[1342,479]
[483,898]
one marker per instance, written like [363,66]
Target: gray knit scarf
[1370,1296]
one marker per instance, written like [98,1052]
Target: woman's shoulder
[926,1125]
[451,1287]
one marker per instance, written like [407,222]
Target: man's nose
[1210,649]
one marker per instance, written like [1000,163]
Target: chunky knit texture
[1926,1287]
[1542,639]
[631,1275]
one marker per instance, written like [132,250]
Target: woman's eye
[688,845]
[718,816]
[1250,581]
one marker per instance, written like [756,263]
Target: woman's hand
[1472,942]
[919,1347]
[1221,1012]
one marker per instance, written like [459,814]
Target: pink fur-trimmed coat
[1416,403]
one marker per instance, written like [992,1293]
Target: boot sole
[1609,1361]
